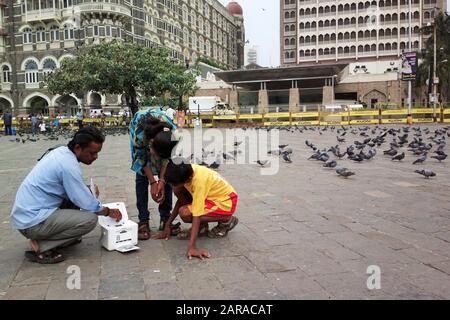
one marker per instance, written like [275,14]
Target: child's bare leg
[186,216]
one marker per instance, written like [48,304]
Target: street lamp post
[409,82]
[434,72]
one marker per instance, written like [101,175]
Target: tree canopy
[442,22]
[122,68]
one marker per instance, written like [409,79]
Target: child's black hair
[152,126]
[178,172]
[85,136]
[163,143]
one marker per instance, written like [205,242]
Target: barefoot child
[203,197]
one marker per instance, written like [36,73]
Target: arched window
[286,55]
[286,42]
[68,32]
[27,35]
[286,15]
[302,53]
[67,3]
[54,33]
[292,42]
[292,28]
[286,28]
[31,72]
[49,66]
[381,47]
[40,34]
[6,74]
[292,55]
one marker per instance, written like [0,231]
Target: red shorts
[213,209]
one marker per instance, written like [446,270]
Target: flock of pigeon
[420,142]
[423,142]
[65,134]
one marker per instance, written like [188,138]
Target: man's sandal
[186,234]
[47,257]
[143,230]
[222,228]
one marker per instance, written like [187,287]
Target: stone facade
[36,35]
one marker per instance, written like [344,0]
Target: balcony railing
[42,15]
[105,8]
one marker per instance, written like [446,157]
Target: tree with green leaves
[442,22]
[121,68]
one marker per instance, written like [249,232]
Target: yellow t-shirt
[208,184]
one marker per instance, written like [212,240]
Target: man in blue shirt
[55,180]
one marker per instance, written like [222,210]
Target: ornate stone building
[327,31]
[35,35]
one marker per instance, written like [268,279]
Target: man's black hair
[85,136]
[178,172]
[163,143]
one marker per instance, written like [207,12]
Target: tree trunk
[180,103]
[130,98]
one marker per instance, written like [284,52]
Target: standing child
[203,197]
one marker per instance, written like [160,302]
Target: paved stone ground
[304,233]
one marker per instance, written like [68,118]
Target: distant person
[41,209]
[34,124]
[80,117]
[7,121]
[42,127]
[102,118]
[171,113]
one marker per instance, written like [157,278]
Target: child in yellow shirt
[203,197]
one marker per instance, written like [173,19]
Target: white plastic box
[121,236]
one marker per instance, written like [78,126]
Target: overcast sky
[262,28]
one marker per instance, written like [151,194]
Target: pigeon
[421,159]
[287,157]
[343,172]
[214,165]
[399,157]
[236,143]
[426,173]
[390,152]
[330,164]
[226,156]
[282,146]
[262,163]
[440,157]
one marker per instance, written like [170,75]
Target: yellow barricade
[333,118]
[394,116]
[305,118]
[446,115]
[277,123]
[277,119]
[364,117]
[250,116]
[424,115]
